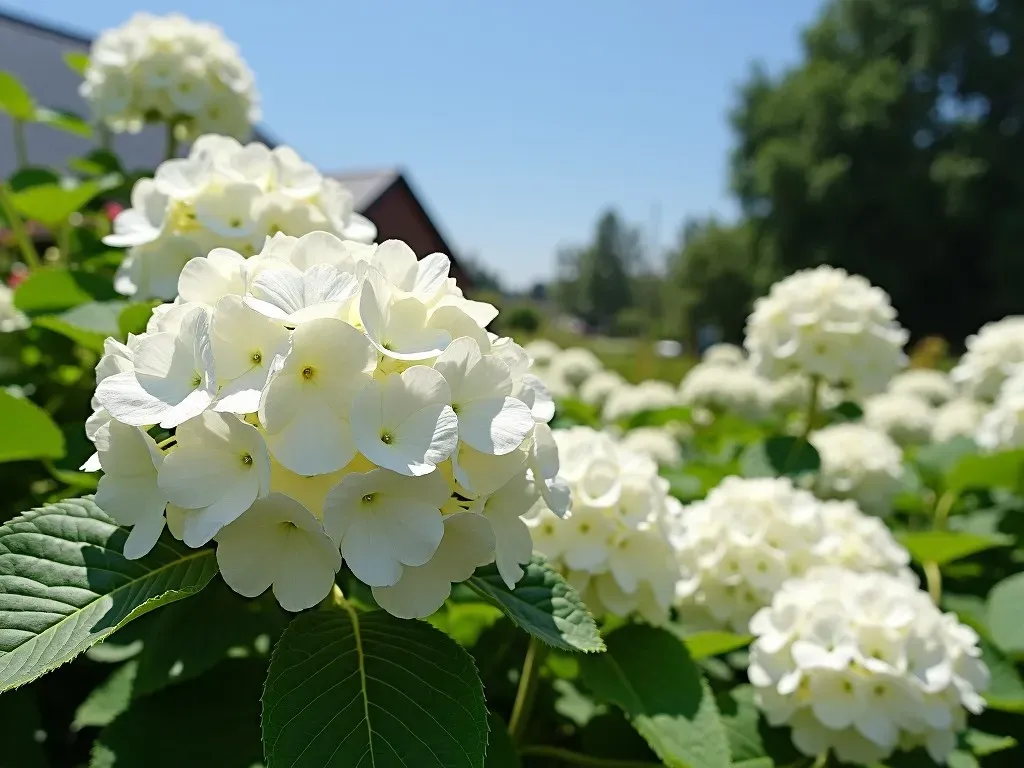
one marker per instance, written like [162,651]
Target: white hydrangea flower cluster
[905,418]
[224,195]
[599,387]
[614,548]
[828,324]
[648,395]
[574,365]
[992,355]
[330,401]
[738,546]
[1002,426]
[957,418]
[542,352]
[861,463]
[170,69]
[934,387]
[11,318]
[734,388]
[724,354]
[863,664]
[658,443]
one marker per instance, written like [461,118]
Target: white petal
[497,426]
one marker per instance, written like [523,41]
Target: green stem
[932,572]
[28,248]
[20,144]
[575,758]
[821,760]
[172,141]
[812,406]
[64,242]
[527,691]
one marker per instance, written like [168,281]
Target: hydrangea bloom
[906,418]
[223,195]
[649,395]
[724,354]
[826,323]
[1002,426]
[859,463]
[863,664]
[575,365]
[170,69]
[991,356]
[957,418]
[11,319]
[330,402]
[934,387]
[658,443]
[725,389]
[739,545]
[615,547]
[542,351]
[599,387]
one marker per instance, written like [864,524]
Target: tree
[713,277]
[895,150]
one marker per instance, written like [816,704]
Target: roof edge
[63,33]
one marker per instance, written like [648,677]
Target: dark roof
[367,186]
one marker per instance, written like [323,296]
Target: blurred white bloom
[734,388]
[824,322]
[724,354]
[615,545]
[905,418]
[216,198]
[934,387]
[1002,426]
[992,355]
[739,545]
[959,417]
[657,443]
[574,365]
[554,383]
[170,69]
[11,319]
[329,400]
[859,463]
[864,664]
[542,352]
[599,387]
[649,395]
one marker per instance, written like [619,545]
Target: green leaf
[15,99]
[107,700]
[501,752]
[98,162]
[1006,689]
[19,713]
[51,204]
[77,61]
[946,546]
[750,737]
[972,610]
[26,178]
[997,470]
[543,603]
[210,722]
[847,411]
[68,122]
[571,412]
[232,627]
[345,686]
[53,290]
[1005,608]
[465,622]
[779,456]
[133,318]
[64,585]
[934,461]
[658,417]
[27,431]
[88,325]
[983,744]
[712,643]
[648,673]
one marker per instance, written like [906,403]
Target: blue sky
[517,121]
